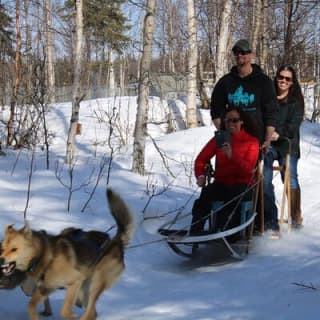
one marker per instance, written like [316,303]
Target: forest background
[55,51]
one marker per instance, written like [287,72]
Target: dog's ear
[9,229]
[26,230]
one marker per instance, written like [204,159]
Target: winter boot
[199,211]
[296,214]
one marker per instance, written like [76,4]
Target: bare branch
[310,286]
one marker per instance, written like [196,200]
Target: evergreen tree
[5,32]
[104,22]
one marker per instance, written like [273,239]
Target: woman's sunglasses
[280,77]
[233,120]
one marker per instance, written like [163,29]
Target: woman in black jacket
[291,103]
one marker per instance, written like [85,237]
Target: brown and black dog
[65,261]
[12,278]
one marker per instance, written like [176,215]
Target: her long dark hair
[249,125]
[295,91]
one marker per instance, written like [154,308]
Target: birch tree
[76,89]
[111,80]
[224,35]
[256,23]
[140,131]
[5,52]
[28,54]
[17,77]
[264,39]
[171,65]
[49,52]
[191,115]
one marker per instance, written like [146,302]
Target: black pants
[218,192]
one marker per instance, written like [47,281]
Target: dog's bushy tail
[122,215]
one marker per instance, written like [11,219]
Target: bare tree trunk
[256,23]
[29,60]
[121,74]
[224,35]
[264,42]
[26,81]
[99,76]
[140,131]
[170,37]
[50,54]
[162,49]
[191,115]
[17,77]
[287,54]
[76,94]
[111,82]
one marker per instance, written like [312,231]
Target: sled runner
[184,244]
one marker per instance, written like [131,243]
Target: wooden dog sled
[184,244]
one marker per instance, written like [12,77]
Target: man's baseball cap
[242,45]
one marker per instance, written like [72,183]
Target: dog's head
[17,250]
[13,280]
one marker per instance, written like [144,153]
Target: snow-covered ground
[158,284]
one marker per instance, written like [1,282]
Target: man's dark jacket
[255,94]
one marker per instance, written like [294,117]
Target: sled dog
[11,278]
[54,262]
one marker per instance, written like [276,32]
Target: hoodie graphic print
[239,97]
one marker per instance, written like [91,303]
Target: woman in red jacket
[235,162]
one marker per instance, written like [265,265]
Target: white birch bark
[171,66]
[191,115]
[111,81]
[76,94]
[50,53]
[140,131]
[28,54]
[223,37]
[264,46]
[122,75]
[17,77]
[256,23]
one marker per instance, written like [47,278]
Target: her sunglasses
[280,77]
[233,120]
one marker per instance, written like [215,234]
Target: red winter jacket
[239,168]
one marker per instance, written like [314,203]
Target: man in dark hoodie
[247,87]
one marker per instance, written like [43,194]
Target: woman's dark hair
[249,125]
[295,91]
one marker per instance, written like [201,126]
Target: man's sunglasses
[280,77]
[240,52]
[233,120]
